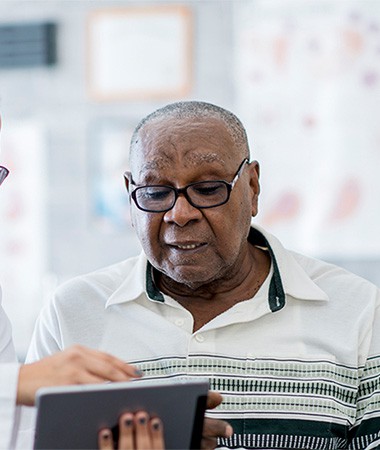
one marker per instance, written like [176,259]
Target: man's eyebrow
[156,164]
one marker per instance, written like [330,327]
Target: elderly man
[292,343]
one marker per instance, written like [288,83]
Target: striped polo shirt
[298,364]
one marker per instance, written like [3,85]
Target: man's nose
[182,212]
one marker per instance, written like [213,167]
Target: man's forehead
[164,128]
[191,142]
[195,141]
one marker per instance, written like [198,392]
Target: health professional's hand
[136,432]
[214,428]
[76,365]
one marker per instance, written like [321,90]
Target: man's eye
[209,189]
[154,194]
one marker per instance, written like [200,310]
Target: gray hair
[196,110]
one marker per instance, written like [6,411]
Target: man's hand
[214,428]
[76,365]
[136,432]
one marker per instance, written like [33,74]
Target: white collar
[288,278]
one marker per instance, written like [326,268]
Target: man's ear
[254,174]
[127,177]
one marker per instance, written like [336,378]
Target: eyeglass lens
[203,194]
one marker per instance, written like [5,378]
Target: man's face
[189,245]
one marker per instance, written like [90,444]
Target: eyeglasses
[3,173]
[202,194]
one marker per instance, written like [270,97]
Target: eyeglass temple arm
[4,172]
[233,182]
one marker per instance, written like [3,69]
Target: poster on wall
[23,226]
[139,52]
[308,90]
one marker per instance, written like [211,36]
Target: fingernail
[156,425]
[106,435]
[142,420]
[128,422]
[139,373]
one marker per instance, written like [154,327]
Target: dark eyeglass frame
[4,172]
[178,191]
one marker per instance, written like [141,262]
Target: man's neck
[212,299]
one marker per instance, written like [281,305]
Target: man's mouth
[188,246]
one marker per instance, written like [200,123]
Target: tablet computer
[70,417]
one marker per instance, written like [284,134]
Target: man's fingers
[213,429]
[216,428]
[213,399]
[208,443]
[105,439]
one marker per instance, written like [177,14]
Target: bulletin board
[139,53]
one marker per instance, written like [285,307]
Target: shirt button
[199,337]
[179,322]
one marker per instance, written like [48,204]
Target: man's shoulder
[339,284]
[100,282]
[330,276]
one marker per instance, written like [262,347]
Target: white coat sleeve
[44,343]
[9,370]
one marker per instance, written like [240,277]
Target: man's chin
[190,276]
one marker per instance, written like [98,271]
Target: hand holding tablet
[136,432]
[72,416]
[149,435]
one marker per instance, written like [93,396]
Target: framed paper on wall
[108,160]
[139,53]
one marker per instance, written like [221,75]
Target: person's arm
[8,392]
[76,365]
[9,370]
